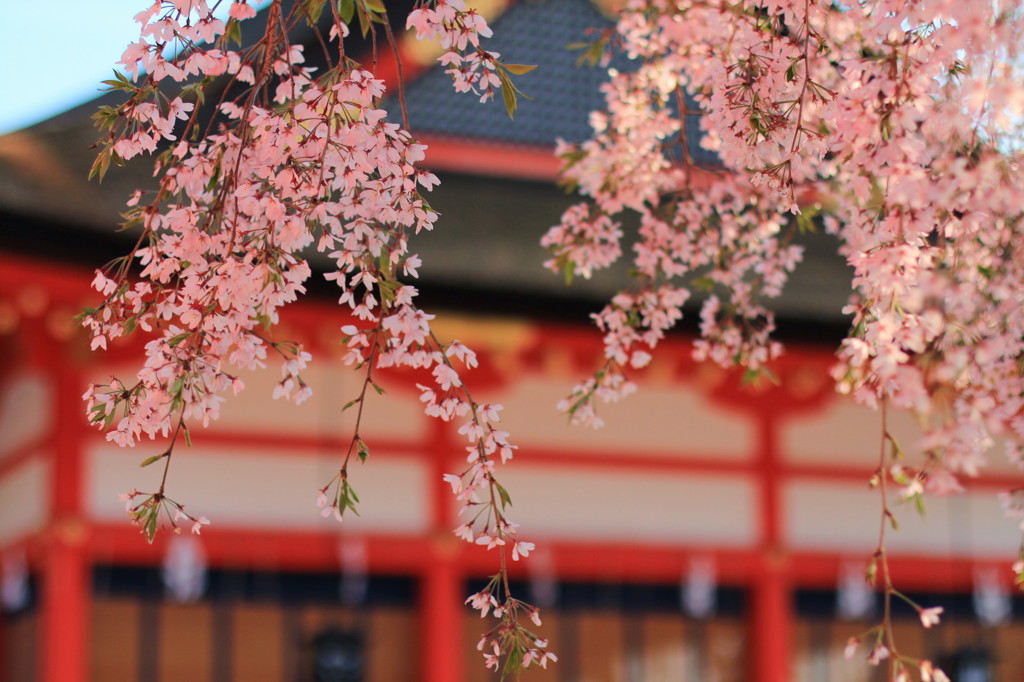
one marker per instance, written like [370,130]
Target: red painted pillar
[442,644]
[64,631]
[65,569]
[771,622]
[771,608]
[441,636]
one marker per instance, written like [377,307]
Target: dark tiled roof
[529,32]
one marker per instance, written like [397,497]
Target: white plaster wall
[585,504]
[674,421]
[24,499]
[845,433]
[827,516]
[26,402]
[396,415]
[263,489]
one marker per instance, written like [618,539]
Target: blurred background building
[709,532]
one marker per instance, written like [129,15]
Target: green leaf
[592,52]
[805,220]
[233,32]
[346,10]
[312,9]
[175,340]
[919,503]
[150,460]
[897,451]
[364,20]
[791,71]
[362,451]
[508,93]
[347,498]
[519,69]
[750,376]
[755,123]
[770,376]
[118,84]
[214,179]
[703,284]
[871,572]
[104,117]
[149,529]
[387,289]
[197,90]
[513,661]
[101,164]
[369,12]
[503,495]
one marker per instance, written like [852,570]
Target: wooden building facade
[709,533]
[759,493]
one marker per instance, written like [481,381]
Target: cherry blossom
[893,126]
[930,617]
[298,159]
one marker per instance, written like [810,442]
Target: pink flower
[446,377]
[521,549]
[455,482]
[930,673]
[545,657]
[199,523]
[128,498]
[878,654]
[423,20]
[930,617]
[240,11]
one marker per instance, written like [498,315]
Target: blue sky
[54,53]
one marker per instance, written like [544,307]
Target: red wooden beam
[62,283]
[820,570]
[267,550]
[513,161]
[994,482]
[574,561]
[489,158]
